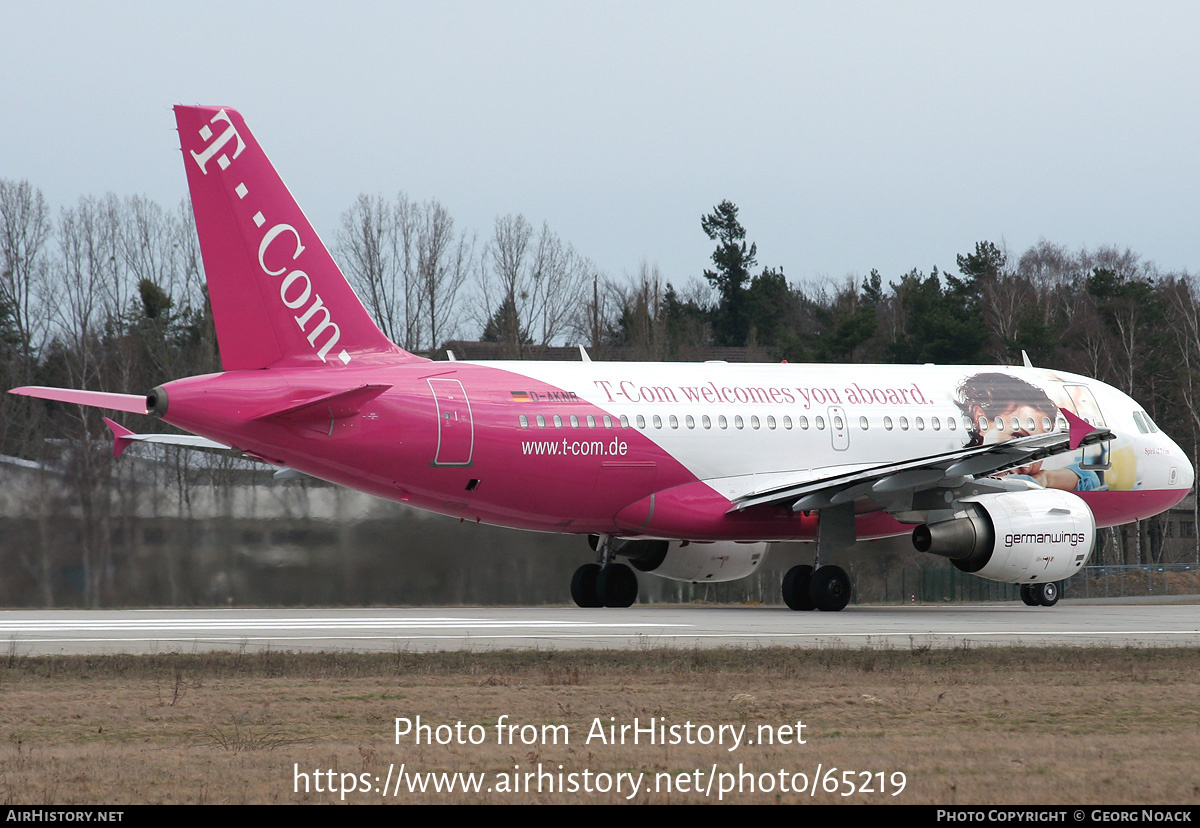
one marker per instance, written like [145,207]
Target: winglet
[1025,359]
[1080,428]
[122,437]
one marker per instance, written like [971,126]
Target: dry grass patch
[981,726]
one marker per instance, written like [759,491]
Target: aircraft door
[456,430]
[839,428]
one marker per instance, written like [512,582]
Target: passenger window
[690,421]
[674,421]
[591,421]
[1016,425]
[705,421]
[999,424]
[936,423]
[1045,423]
[804,422]
[787,423]
[722,422]
[820,422]
[657,421]
[983,424]
[862,423]
[837,422]
[904,423]
[887,423]
[524,421]
[624,421]
[608,421]
[920,422]
[951,423]
[771,423]
[641,421]
[737,421]
[754,422]
[574,421]
[541,421]
[967,423]
[557,421]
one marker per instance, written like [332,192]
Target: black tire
[583,586]
[795,588]
[830,588]
[1028,597]
[616,586]
[1047,593]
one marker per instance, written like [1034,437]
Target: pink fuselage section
[447,437]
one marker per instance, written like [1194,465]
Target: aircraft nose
[1187,474]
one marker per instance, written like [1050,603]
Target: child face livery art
[998,406]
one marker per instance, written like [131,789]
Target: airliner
[684,471]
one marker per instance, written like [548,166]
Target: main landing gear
[604,584]
[1040,595]
[825,588]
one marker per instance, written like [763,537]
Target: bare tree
[642,320]
[376,245]
[445,260]
[93,288]
[24,229]
[540,277]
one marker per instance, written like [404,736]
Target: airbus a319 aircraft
[685,471]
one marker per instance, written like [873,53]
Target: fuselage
[659,449]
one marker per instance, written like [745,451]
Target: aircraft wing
[890,482]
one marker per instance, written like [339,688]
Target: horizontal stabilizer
[132,403]
[336,405]
[123,438]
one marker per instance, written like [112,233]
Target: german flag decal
[521,396]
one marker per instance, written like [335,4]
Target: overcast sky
[851,135]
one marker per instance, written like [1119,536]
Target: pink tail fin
[276,293]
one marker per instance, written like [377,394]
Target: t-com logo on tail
[223,160]
[277,295]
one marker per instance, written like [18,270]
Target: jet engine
[1015,537]
[694,561]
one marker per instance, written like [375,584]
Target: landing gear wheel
[795,588]
[1046,594]
[829,588]
[583,586]
[616,586]
[1027,596]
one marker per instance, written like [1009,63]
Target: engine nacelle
[1015,537]
[694,561]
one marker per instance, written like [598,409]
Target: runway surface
[39,632]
